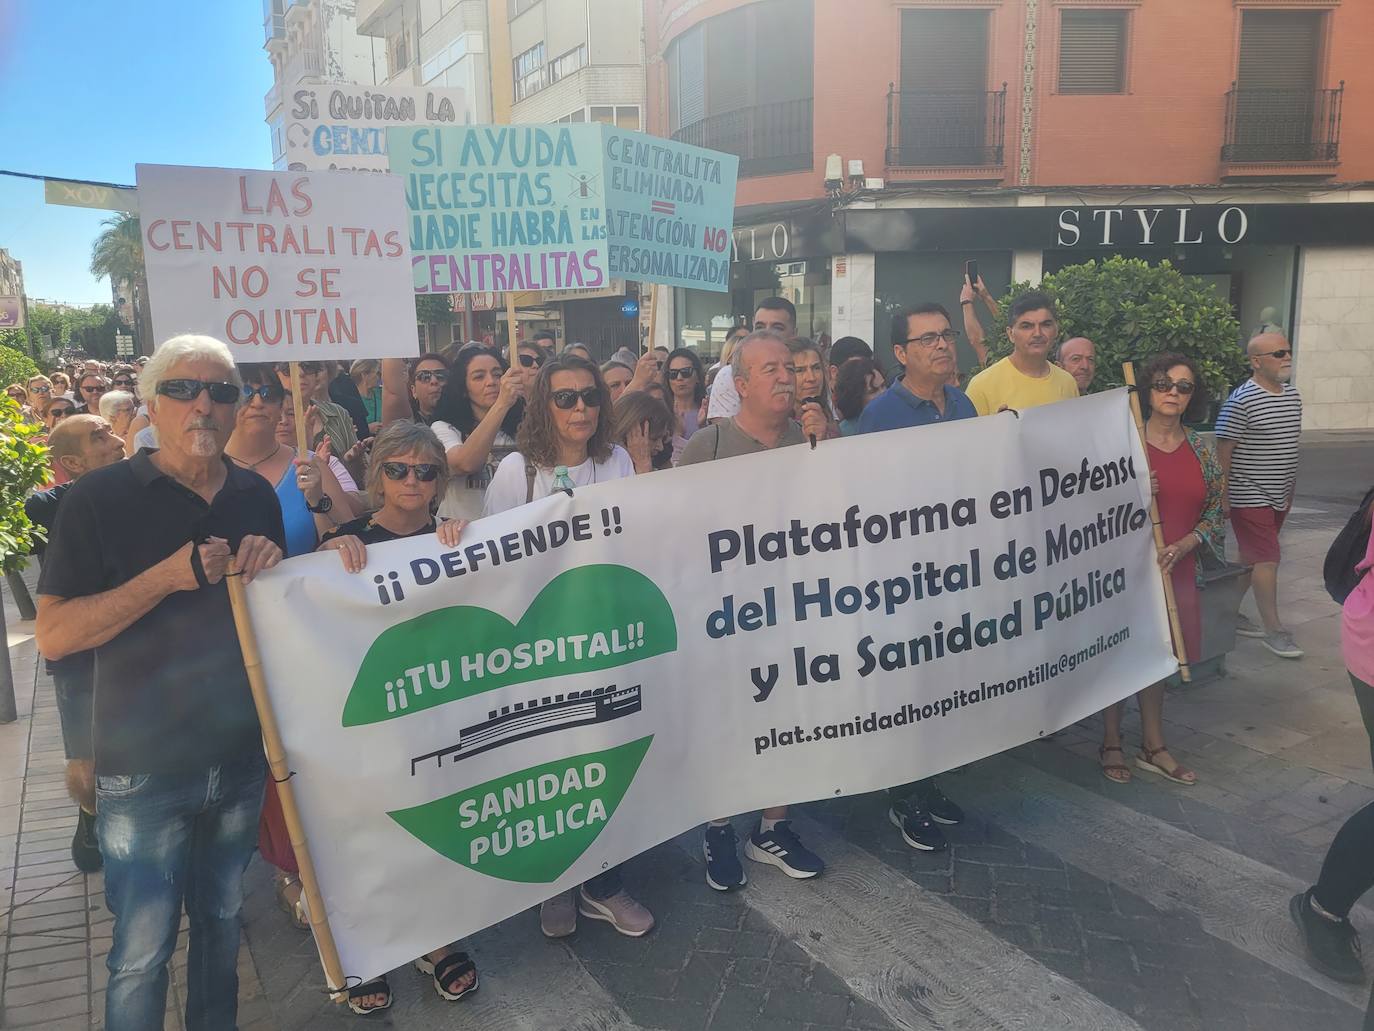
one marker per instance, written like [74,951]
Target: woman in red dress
[1190,485]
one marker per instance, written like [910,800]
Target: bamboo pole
[298,407]
[1175,624]
[280,772]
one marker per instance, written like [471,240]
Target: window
[562,67]
[580,115]
[621,116]
[1092,52]
[398,51]
[529,72]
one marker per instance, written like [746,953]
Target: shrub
[15,366]
[23,466]
[1133,310]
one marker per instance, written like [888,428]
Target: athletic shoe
[1281,643]
[724,871]
[783,849]
[1333,946]
[918,829]
[558,916]
[85,845]
[1245,628]
[620,911]
[939,808]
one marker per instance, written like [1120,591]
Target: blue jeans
[169,840]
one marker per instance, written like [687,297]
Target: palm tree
[118,254]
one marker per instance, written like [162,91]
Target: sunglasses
[1282,352]
[124,382]
[429,376]
[58,413]
[684,373]
[93,389]
[40,389]
[566,399]
[307,368]
[531,361]
[1163,386]
[267,392]
[189,390]
[425,472]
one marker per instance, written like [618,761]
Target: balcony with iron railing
[768,138]
[946,133]
[1282,132]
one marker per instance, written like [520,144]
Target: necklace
[254,465]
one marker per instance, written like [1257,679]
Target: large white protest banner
[343,126]
[584,677]
[281,266]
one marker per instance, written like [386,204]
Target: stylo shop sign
[1146,227]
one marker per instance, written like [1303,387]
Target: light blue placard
[669,209]
[503,207]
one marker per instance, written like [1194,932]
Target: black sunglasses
[532,361]
[268,392]
[1163,386]
[124,381]
[94,388]
[686,372]
[189,390]
[1282,352]
[60,413]
[425,472]
[431,376]
[565,399]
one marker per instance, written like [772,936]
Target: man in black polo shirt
[136,572]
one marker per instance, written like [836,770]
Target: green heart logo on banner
[589,618]
[529,826]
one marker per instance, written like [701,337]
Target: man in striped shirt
[1257,443]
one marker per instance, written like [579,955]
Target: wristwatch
[326,503]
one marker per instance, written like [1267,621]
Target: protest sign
[281,266]
[344,126]
[563,207]
[474,730]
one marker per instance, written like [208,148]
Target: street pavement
[1064,901]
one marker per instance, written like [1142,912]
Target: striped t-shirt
[1265,427]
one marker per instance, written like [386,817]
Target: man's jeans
[170,839]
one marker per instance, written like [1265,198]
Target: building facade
[884,143]
[11,275]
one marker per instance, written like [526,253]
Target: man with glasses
[923,344]
[776,315]
[1257,444]
[89,389]
[1025,378]
[135,571]
[125,379]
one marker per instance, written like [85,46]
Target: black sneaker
[784,849]
[939,808]
[724,871]
[1333,947]
[918,829]
[85,846]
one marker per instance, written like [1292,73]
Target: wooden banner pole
[1175,624]
[280,773]
[653,317]
[512,328]
[299,408]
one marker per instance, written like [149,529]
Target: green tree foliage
[91,331]
[23,466]
[117,254]
[15,367]
[433,309]
[1133,310]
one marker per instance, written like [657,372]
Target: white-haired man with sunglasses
[135,570]
[1257,444]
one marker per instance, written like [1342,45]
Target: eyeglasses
[124,382]
[95,388]
[1282,352]
[40,389]
[1163,386]
[425,472]
[566,399]
[687,372]
[58,413]
[267,392]
[532,361]
[949,336]
[431,376]
[189,390]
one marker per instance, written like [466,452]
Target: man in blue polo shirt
[923,343]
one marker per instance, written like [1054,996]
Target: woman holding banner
[406,475]
[476,420]
[1190,484]
[564,443]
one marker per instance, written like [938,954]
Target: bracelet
[962,303]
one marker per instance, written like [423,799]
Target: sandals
[377,986]
[1121,770]
[1180,774]
[295,909]
[447,974]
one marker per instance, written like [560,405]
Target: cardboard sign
[281,266]
[344,127]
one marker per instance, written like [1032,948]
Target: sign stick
[298,406]
[281,774]
[653,317]
[512,325]
[1175,624]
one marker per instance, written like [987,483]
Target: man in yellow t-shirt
[1025,378]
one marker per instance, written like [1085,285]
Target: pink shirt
[1357,622]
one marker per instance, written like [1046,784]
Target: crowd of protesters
[167,470]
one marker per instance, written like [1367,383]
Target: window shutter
[688,53]
[1278,50]
[1092,52]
